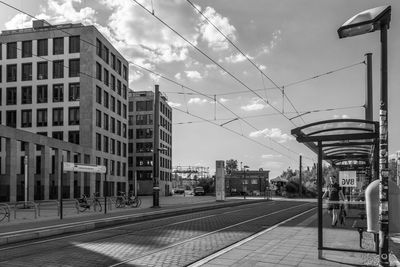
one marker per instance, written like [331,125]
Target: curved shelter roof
[343,141]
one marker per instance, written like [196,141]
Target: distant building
[141,143]
[253,182]
[66,82]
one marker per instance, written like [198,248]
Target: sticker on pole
[347,179]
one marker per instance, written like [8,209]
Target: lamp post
[364,22]
[244,181]
[156,145]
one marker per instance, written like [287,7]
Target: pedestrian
[334,194]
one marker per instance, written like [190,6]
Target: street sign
[76,167]
[347,179]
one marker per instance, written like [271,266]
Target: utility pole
[368,93]
[300,178]
[156,164]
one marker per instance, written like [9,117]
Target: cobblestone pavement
[174,241]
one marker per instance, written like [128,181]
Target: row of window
[110,145]
[110,124]
[147,161]
[108,101]
[41,94]
[41,71]
[41,117]
[103,52]
[41,47]
[110,80]
[166,137]
[166,110]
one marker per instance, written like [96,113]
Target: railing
[25,206]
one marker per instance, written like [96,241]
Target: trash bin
[372,207]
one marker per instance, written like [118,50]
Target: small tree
[231,165]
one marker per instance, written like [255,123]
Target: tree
[231,165]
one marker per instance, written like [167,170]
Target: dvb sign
[347,179]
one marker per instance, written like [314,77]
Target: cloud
[197,100]
[273,133]
[237,58]
[262,67]
[193,74]
[276,37]
[174,105]
[178,76]
[255,105]
[270,156]
[223,100]
[209,34]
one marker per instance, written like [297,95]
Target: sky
[259,89]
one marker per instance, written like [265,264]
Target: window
[12,73]
[124,113]
[130,106]
[42,47]
[118,168]
[112,125]
[58,46]
[41,94]
[58,69]
[58,116]
[105,102]
[26,95]
[98,71]
[12,50]
[27,49]
[105,121]
[58,92]
[105,144]
[26,72]
[26,118]
[118,107]
[74,92]
[41,118]
[11,118]
[74,67]
[106,77]
[98,118]
[125,73]
[74,46]
[98,94]
[58,135]
[41,70]
[112,167]
[144,133]
[144,161]
[144,105]
[123,130]
[99,47]
[124,91]
[118,127]
[144,119]
[112,104]
[144,147]
[113,61]
[119,66]
[74,116]
[112,82]
[119,87]
[124,150]
[98,142]
[73,137]
[11,95]
[104,55]
[130,119]
[1,71]
[112,146]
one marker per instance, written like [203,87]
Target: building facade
[141,143]
[251,182]
[67,82]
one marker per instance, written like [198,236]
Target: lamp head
[366,21]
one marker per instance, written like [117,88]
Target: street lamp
[244,180]
[364,22]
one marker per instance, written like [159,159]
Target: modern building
[253,182]
[141,149]
[66,82]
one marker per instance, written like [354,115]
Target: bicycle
[4,212]
[85,203]
[132,201]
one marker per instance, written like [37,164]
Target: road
[172,241]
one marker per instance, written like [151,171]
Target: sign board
[77,167]
[347,179]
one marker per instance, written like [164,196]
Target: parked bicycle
[131,201]
[85,203]
[4,212]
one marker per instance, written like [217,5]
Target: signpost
[347,179]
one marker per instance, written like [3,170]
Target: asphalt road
[171,241]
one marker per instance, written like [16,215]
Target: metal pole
[300,178]
[244,191]
[383,154]
[61,186]
[156,182]
[105,191]
[319,181]
[26,181]
[368,93]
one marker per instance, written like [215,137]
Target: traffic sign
[76,167]
[347,179]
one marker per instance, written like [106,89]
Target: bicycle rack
[7,208]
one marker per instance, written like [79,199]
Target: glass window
[58,92]
[12,73]
[119,66]
[112,82]
[58,116]
[118,148]
[98,141]
[144,105]
[124,91]
[74,116]
[27,49]
[105,144]
[41,70]
[98,71]
[58,135]
[125,73]
[74,67]
[41,118]
[105,102]
[124,130]
[42,47]
[26,118]
[118,127]
[12,50]
[99,47]
[26,72]
[130,106]
[74,91]
[58,46]
[112,104]
[106,77]
[105,121]
[11,95]
[26,95]
[119,107]
[58,69]
[144,133]
[74,44]
[98,118]
[73,137]
[112,122]
[113,61]
[98,94]
[112,146]
[105,54]
[119,87]
[124,113]
[41,94]
[11,118]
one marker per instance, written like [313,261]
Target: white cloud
[178,76]
[253,106]
[193,74]
[209,34]
[223,100]
[270,156]
[174,105]
[276,37]
[273,133]
[197,100]
[262,67]
[236,58]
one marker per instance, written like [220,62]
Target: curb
[81,226]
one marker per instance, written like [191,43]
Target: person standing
[334,194]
